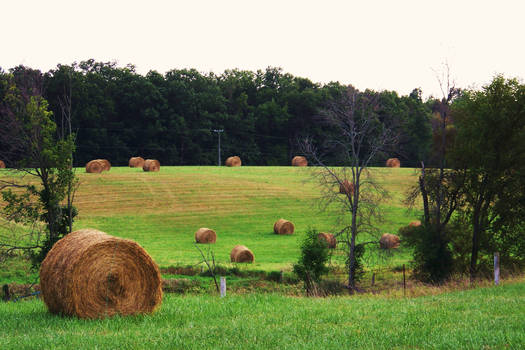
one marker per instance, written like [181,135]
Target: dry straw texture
[393,163]
[283,227]
[233,161]
[94,166]
[151,165]
[90,274]
[415,223]
[389,241]
[329,238]
[241,254]
[346,187]
[299,161]
[205,235]
[106,165]
[2,164]
[136,162]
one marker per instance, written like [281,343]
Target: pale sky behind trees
[377,44]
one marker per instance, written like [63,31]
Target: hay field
[162,211]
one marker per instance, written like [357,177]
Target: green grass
[485,318]
[162,211]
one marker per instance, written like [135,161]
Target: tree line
[117,113]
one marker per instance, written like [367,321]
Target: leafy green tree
[32,148]
[490,147]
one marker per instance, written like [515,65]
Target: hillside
[163,210]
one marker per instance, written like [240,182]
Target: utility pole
[218,131]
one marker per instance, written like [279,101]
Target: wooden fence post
[223,286]
[496,268]
[404,281]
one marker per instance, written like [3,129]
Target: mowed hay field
[162,210]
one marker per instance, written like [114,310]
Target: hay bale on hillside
[393,163]
[233,161]
[415,223]
[283,227]
[94,166]
[136,162]
[241,254]
[389,241]
[106,165]
[90,274]
[329,238]
[299,161]
[151,165]
[2,164]
[205,235]
[346,187]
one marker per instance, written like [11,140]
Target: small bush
[432,259]
[312,262]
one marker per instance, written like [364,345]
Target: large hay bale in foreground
[205,235]
[329,238]
[241,254]
[346,188]
[2,164]
[136,162]
[283,227]
[299,161]
[393,163]
[151,165]
[389,241]
[94,166]
[233,161]
[90,274]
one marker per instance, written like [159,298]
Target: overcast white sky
[381,44]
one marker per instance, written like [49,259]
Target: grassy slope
[486,318]
[163,210]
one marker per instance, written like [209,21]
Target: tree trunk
[424,194]
[475,248]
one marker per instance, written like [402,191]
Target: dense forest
[117,113]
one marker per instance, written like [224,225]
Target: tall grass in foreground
[486,318]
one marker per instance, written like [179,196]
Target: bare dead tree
[440,187]
[361,137]
[65,104]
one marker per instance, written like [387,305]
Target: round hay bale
[106,165]
[90,274]
[283,227]
[205,235]
[241,254]
[94,166]
[151,165]
[299,161]
[389,241]
[2,164]
[346,187]
[393,163]
[136,162]
[329,238]
[233,161]
[415,223]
